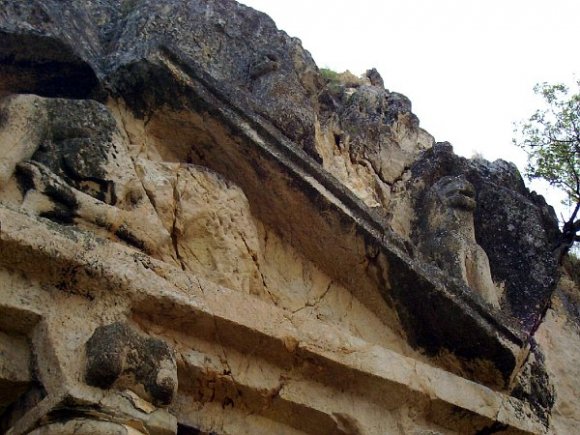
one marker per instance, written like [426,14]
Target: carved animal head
[121,358]
[455,192]
[449,205]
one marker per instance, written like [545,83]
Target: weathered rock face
[516,228]
[368,137]
[241,49]
[448,236]
[557,340]
[118,357]
[202,233]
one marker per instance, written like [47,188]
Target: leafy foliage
[551,138]
[330,75]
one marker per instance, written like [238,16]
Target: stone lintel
[168,297]
[289,191]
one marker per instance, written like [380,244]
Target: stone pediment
[182,197]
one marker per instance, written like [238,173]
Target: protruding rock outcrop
[515,227]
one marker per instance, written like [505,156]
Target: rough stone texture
[202,233]
[288,379]
[448,236]
[557,340]
[15,368]
[516,228]
[213,230]
[86,427]
[118,357]
[368,136]
[276,76]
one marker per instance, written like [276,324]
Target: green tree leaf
[551,139]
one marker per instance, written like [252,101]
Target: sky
[468,66]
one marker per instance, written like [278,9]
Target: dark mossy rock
[515,227]
[118,356]
[82,48]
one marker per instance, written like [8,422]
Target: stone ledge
[327,223]
[157,290]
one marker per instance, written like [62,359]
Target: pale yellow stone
[267,338]
[559,340]
[86,427]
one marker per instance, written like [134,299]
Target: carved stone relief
[448,238]
[199,242]
[119,358]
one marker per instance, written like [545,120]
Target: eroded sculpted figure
[449,236]
[74,166]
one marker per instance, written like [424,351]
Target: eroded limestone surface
[448,237]
[200,233]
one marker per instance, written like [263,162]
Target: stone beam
[289,191]
[308,353]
